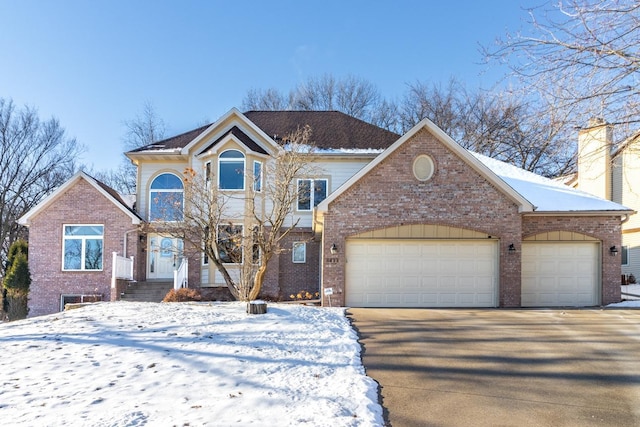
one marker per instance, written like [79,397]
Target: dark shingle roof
[113,193]
[329,130]
[178,141]
[243,137]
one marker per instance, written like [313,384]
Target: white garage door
[560,274]
[421,273]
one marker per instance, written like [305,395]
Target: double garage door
[422,273]
[465,273]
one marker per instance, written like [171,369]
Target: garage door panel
[560,274]
[456,273]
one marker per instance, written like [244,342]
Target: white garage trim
[559,274]
[421,273]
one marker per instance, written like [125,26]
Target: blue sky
[93,64]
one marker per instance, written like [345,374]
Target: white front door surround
[164,256]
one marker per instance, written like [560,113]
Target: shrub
[18,276]
[20,246]
[182,295]
[304,295]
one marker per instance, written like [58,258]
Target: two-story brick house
[386,220]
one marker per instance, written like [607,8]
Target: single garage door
[421,273]
[560,274]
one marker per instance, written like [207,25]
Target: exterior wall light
[334,249]
[613,250]
[512,248]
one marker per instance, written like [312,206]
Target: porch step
[146,291]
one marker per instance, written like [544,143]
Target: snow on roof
[546,194]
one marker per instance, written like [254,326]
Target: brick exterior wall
[456,196]
[606,229]
[80,204]
[296,277]
[283,276]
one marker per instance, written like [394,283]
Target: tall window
[257,176]
[166,198]
[230,243]
[231,170]
[207,173]
[310,193]
[82,246]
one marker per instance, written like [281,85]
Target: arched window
[166,198]
[231,170]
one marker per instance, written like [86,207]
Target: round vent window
[423,167]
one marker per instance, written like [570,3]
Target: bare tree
[584,55]
[265,100]
[440,104]
[506,125]
[146,128]
[351,95]
[35,158]
[208,217]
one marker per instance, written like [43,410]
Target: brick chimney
[594,158]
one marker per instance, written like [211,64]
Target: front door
[165,255]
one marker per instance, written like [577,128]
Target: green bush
[18,277]
[182,295]
[20,246]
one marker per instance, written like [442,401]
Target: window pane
[72,254]
[232,154]
[93,254]
[299,252]
[304,195]
[257,176]
[230,243]
[83,230]
[166,206]
[232,175]
[319,191]
[166,181]
[624,256]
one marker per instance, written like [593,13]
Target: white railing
[181,275]
[122,268]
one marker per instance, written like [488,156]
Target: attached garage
[421,273]
[559,274]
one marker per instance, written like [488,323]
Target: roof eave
[581,213]
[241,117]
[25,220]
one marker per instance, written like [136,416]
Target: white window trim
[312,196]
[82,253]
[234,159]
[293,252]
[171,190]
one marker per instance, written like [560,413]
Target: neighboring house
[414,221]
[613,174]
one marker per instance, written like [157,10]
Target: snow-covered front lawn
[134,364]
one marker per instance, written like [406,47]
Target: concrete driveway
[465,367]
